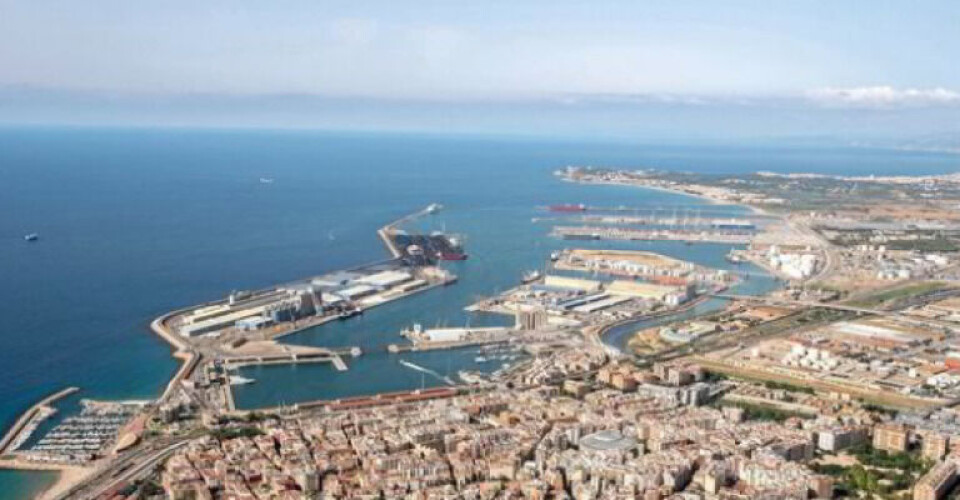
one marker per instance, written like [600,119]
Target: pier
[181,351]
[243,329]
[437,346]
[385,232]
[730,237]
[30,419]
[413,366]
[321,355]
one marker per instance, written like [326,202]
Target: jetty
[306,355]
[422,369]
[385,232]
[20,431]
[181,350]
[243,329]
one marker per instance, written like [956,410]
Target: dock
[334,356]
[437,346]
[729,237]
[20,431]
[236,330]
[385,232]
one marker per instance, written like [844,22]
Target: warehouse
[356,292]
[601,304]
[336,279]
[386,279]
[571,283]
[221,322]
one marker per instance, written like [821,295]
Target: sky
[650,68]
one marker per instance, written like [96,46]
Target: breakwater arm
[32,413]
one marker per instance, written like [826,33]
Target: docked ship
[734,257]
[452,255]
[453,250]
[568,207]
[531,276]
[733,225]
[238,380]
[349,313]
[581,236]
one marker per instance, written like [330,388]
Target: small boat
[469,377]
[349,313]
[238,380]
[266,180]
[412,332]
[434,208]
[531,276]
[555,256]
[32,237]
[568,207]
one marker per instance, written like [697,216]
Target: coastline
[713,201]
[190,358]
[67,476]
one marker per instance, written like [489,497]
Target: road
[124,470]
[830,258]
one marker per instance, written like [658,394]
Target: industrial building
[671,295]
[332,293]
[569,283]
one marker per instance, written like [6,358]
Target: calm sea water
[135,223]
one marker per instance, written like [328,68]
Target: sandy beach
[68,476]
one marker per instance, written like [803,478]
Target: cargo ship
[581,236]
[451,255]
[733,224]
[453,250]
[569,207]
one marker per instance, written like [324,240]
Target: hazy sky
[155,60]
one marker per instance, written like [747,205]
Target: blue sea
[134,223]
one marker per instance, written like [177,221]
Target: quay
[386,398]
[181,350]
[437,346]
[685,221]
[731,237]
[20,431]
[451,338]
[242,329]
[386,232]
[322,355]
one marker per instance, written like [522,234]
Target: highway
[125,469]
[829,249]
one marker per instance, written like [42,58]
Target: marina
[27,423]
[83,437]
